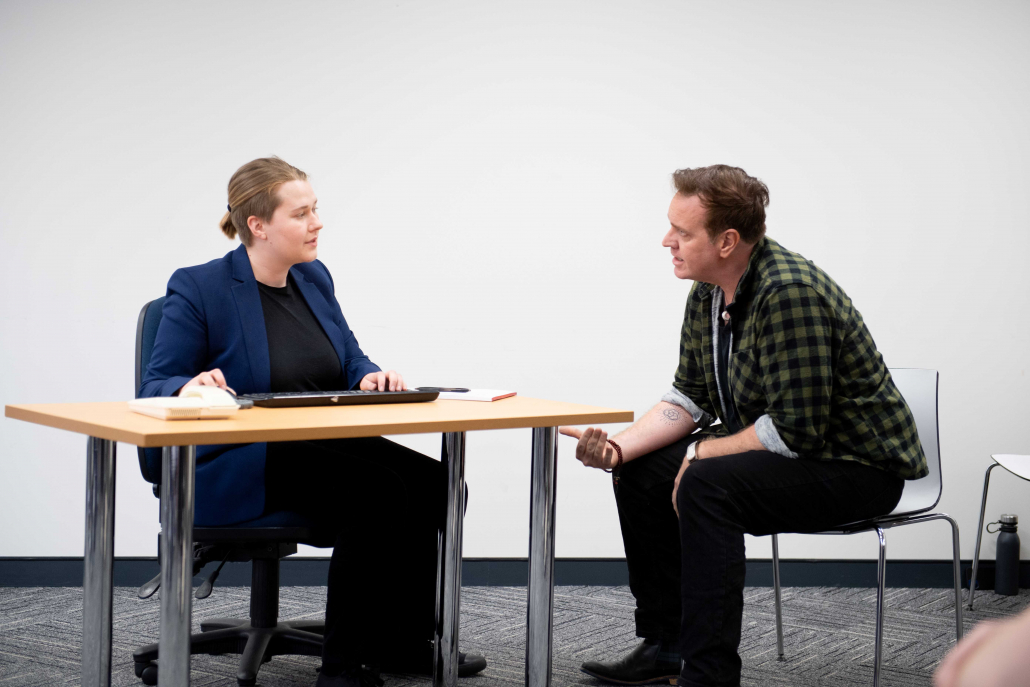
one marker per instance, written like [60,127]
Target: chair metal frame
[980,527]
[879,525]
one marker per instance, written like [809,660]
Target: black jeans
[721,499]
[385,505]
[651,537]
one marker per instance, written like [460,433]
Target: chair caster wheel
[246,682]
[149,674]
[138,668]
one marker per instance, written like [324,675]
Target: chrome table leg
[178,467]
[448,576]
[99,563]
[979,535]
[541,557]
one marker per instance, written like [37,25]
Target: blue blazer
[212,317]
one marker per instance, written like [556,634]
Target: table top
[116,422]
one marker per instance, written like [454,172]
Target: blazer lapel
[252,320]
[323,313]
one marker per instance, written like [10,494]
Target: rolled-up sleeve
[678,398]
[770,438]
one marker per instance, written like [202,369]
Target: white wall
[494,182]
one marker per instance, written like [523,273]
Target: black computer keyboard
[291,399]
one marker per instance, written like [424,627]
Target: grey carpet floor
[829,634]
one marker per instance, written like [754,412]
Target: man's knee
[648,472]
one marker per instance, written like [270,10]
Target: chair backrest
[919,388]
[146,334]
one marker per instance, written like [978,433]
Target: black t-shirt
[726,317]
[300,354]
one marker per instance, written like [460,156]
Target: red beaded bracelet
[618,450]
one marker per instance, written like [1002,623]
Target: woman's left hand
[383,381]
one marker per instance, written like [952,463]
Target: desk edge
[158,439]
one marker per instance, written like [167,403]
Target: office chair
[919,388]
[1020,467]
[263,541]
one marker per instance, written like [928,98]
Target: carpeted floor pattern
[828,634]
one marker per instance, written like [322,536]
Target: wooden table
[107,423]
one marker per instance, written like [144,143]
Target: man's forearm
[662,425]
[744,440]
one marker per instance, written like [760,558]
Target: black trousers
[721,499]
[385,505]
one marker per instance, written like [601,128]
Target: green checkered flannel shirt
[801,355]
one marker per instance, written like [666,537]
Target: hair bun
[253,192]
[227,226]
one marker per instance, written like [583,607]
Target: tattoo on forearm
[671,415]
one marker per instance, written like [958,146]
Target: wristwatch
[692,452]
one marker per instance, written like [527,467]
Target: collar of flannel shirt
[704,288]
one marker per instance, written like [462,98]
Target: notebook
[476,395]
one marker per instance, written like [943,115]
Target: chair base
[256,645]
[879,525]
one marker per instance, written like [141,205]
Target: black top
[726,317]
[300,355]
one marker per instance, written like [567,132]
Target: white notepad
[475,395]
[171,408]
[192,403]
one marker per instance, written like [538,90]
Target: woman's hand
[383,381]
[593,449]
[210,378]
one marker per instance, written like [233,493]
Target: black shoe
[638,667]
[361,677]
[470,664]
[407,662]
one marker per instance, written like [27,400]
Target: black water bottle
[1006,567]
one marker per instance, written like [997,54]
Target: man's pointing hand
[593,449]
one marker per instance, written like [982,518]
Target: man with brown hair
[813,431]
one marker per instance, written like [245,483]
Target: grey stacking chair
[1018,466]
[919,388]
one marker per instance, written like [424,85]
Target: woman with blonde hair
[265,318]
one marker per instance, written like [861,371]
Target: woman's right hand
[210,378]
